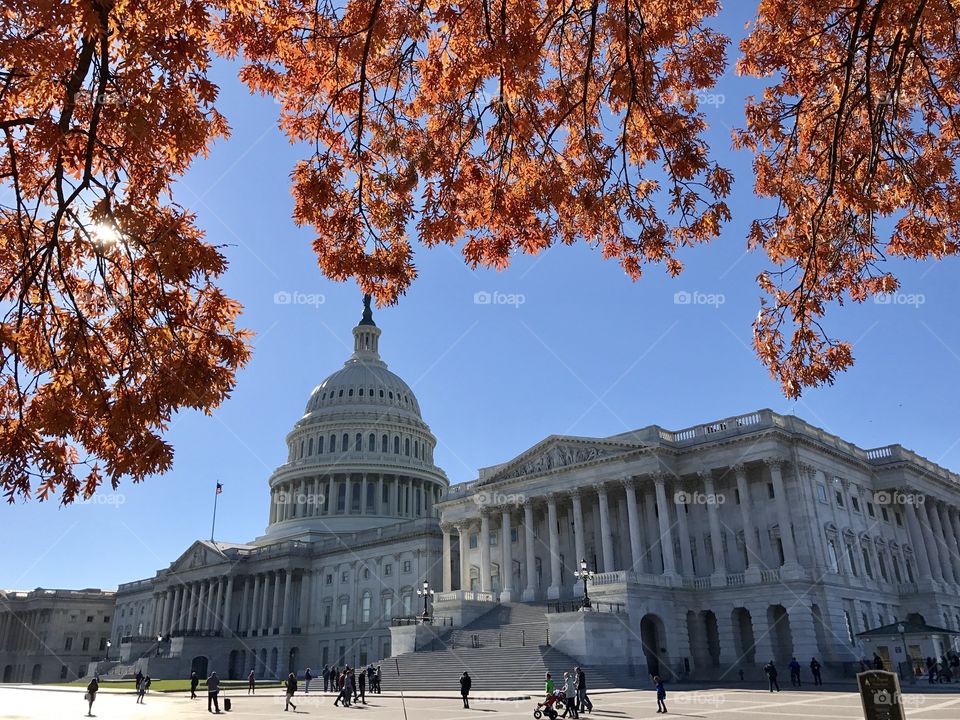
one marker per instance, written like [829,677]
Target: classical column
[749,534]
[666,532]
[650,530]
[275,611]
[762,641]
[301,498]
[253,623]
[606,543]
[363,495]
[264,603]
[303,621]
[716,536]
[330,501]
[633,520]
[683,530]
[484,543]
[228,607]
[941,545]
[217,619]
[175,622]
[463,534]
[925,568]
[553,592]
[348,494]
[953,527]
[506,562]
[168,619]
[395,497]
[530,593]
[379,503]
[287,595]
[445,528]
[783,513]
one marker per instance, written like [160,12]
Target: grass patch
[177,685]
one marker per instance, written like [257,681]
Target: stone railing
[735,579]
[698,583]
[770,576]
[622,577]
[466,595]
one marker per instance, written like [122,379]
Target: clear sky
[588,352]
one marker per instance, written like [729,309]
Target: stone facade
[52,635]
[724,545]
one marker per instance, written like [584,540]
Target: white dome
[362,383]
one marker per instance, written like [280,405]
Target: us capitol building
[708,550]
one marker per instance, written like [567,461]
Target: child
[661,695]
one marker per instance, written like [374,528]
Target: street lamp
[109,645]
[159,640]
[426,593]
[584,574]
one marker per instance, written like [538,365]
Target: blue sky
[588,352]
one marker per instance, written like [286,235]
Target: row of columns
[316,496]
[658,518]
[19,630]
[934,529]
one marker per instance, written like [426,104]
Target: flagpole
[216,494]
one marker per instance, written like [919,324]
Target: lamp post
[585,575]
[159,640]
[426,593]
[903,644]
[109,645]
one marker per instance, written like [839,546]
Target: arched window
[361,392]
[350,392]
[372,443]
[320,445]
[358,442]
[384,442]
[381,393]
[407,604]
[365,601]
[416,448]
[333,443]
[345,445]
[396,444]
[406,447]
[301,448]
[309,446]
[387,605]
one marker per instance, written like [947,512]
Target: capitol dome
[361,455]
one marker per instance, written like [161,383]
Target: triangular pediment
[201,554]
[559,452]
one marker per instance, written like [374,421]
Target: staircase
[504,649]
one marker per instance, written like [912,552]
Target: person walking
[213,692]
[771,670]
[141,689]
[465,684]
[815,671]
[661,694]
[307,677]
[194,682]
[362,681]
[252,683]
[570,701]
[92,687]
[291,685]
[378,676]
[326,678]
[794,672]
[138,678]
[583,702]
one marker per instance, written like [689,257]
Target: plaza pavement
[36,703]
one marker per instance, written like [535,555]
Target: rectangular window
[343,612]
[899,518]
[834,559]
[68,644]
[85,645]
[493,539]
[326,615]
[103,644]
[855,504]
[89,618]
[329,579]
[345,576]
[106,618]
[514,535]
[63,672]
[473,541]
[387,606]
[849,624]
[884,514]
[388,569]
[839,495]
[870,511]
[406,566]
[821,492]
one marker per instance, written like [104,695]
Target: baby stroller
[551,707]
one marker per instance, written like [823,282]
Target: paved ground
[721,704]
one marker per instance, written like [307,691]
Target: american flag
[219,488]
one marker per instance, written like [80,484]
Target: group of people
[142,684]
[943,670]
[350,684]
[770,670]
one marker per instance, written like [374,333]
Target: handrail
[565,606]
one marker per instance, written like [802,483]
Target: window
[350,392]
[63,672]
[361,392]
[320,445]
[870,511]
[514,535]
[493,539]
[821,492]
[387,606]
[849,625]
[384,444]
[85,645]
[406,447]
[899,518]
[839,496]
[396,444]
[853,565]
[883,567]
[366,573]
[896,569]
[358,442]
[406,566]
[473,541]
[345,442]
[365,607]
[309,446]
[89,618]
[333,443]
[834,558]
[855,504]
[867,567]
[343,612]
[103,644]
[866,622]
[388,570]
[345,576]
[68,644]
[884,514]
[910,571]
[106,618]
[407,601]
[326,615]
[329,579]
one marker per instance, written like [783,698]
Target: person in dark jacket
[465,683]
[794,672]
[326,678]
[771,670]
[252,683]
[362,682]
[291,685]
[213,692]
[307,677]
[92,689]
[194,681]
[815,671]
[661,695]
[583,702]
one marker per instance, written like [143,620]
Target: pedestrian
[740,673]
[137,679]
[465,683]
[141,689]
[326,678]
[815,669]
[307,677]
[194,681]
[583,702]
[771,670]
[363,687]
[252,683]
[334,679]
[351,686]
[378,680]
[794,672]
[92,688]
[570,701]
[291,689]
[877,662]
[213,691]
[148,681]
[661,694]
